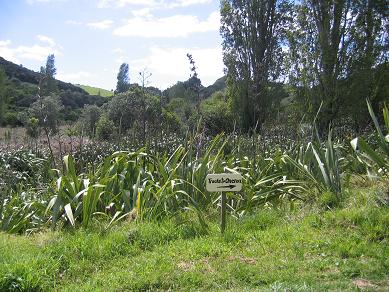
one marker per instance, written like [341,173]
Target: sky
[92,38]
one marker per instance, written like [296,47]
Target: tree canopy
[123,83]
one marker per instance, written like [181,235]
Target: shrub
[105,129]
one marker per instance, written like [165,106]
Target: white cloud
[118,51]
[186,3]
[5,43]
[155,4]
[121,59]
[101,80]
[7,53]
[173,26]
[31,2]
[168,65]
[36,52]
[122,3]
[46,39]
[77,77]
[104,24]
[73,22]
[144,12]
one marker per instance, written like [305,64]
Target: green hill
[96,91]
[19,88]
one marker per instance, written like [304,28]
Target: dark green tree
[123,83]
[135,105]
[335,48]
[194,83]
[252,37]
[48,72]
[47,110]
[367,60]
[89,118]
[3,102]
[105,129]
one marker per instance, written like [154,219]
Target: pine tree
[123,83]
[48,73]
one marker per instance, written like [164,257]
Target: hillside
[96,90]
[19,73]
[19,86]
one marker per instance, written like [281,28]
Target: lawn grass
[309,249]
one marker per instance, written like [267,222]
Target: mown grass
[308,248]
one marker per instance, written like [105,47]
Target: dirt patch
[364,284]
[185,266]
[245,260]
[190,265]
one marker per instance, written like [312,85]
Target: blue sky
[90,39]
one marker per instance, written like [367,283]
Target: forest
[95,182]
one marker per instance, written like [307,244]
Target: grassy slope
[304,250]
[94,90]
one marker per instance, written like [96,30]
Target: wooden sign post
[223,182]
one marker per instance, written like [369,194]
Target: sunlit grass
[309,249]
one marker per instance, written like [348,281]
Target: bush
[11,119]
[105,129]
[217,114]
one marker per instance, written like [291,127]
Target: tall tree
[194,82]
[368,57]
[50,66]
[330,18]
[123,83]
[252,37]
[48,72]
[89,118]
[334,46]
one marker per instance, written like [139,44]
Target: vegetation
[305,249]
[19,90]
[123,83]
[109,193]
[163,182]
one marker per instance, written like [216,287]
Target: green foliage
[3,79]
[171,122]
[21,207]
[252,36]
[89,119]
[318,164]
[123,83]
[47,111]
[337,58]
[32,128]
[21,88]
[11,119]
[182,108]
[376,160]
[217,114]
[47,83]
[180,90]
[105,129]
[136,106]
[268,250]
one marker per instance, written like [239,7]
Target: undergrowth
[308,248]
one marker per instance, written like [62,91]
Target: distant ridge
[14,71]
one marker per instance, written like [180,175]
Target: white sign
[224,182]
